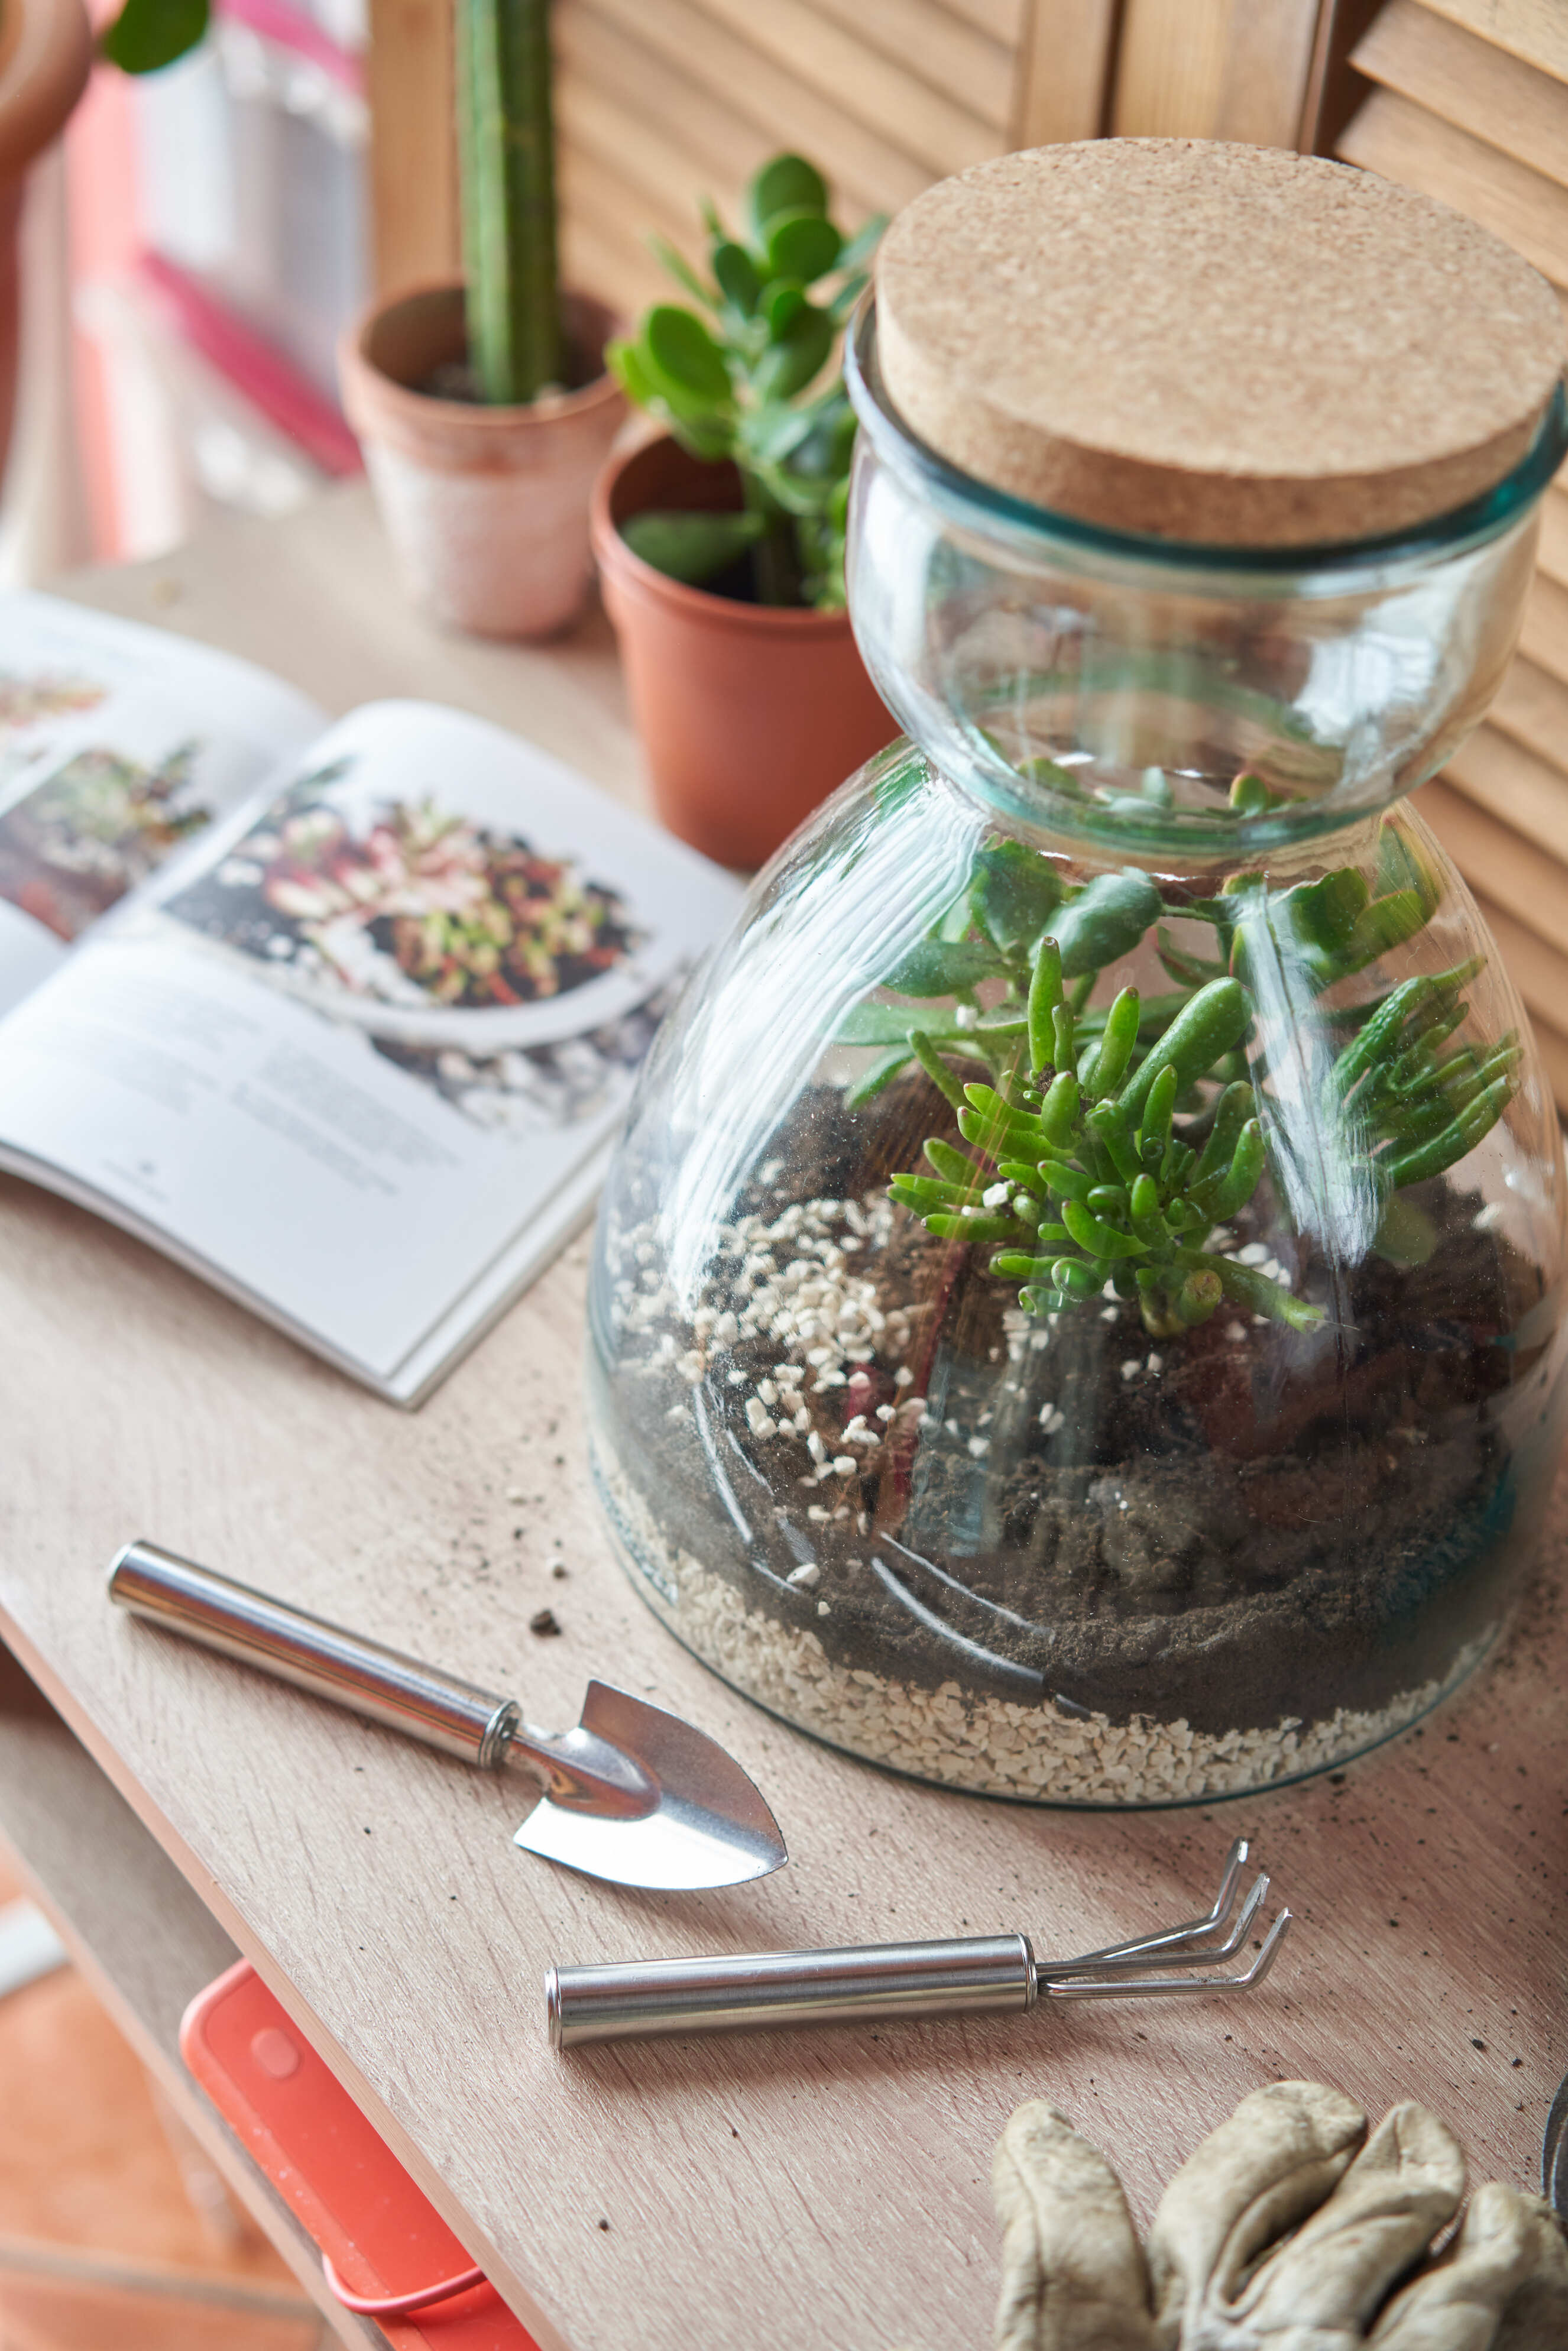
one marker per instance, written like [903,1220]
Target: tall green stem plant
[506,145]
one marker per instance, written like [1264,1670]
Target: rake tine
[1235,1861]
[1157,1986]
[1184,1956]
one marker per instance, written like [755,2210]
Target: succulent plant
[1114,1140]
[729,386]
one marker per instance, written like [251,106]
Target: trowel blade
[708,1827]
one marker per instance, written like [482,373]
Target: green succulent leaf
[737,278]
[944,967]
[691,547]
[796,354]
[1016,892]
[1105,921]
[786,184]
[683,359]
[803,245]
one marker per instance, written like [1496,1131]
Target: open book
[342,1017]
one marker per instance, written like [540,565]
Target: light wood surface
[831,2187]
[145,1943]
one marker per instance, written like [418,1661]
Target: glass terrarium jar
[1078,1308]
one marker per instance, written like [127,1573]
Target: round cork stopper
[1224,344]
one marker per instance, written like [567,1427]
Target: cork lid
[1224,344]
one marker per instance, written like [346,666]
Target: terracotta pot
[486,507]
[46,55]
[749,715]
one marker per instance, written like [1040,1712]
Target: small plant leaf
[680,269]
[1105,921]
[786,184]
[794,358]
[148,34]
[803,246]
[683,358]
[691,547]
[1016,892]
[863,243]
[783,303]
[737,276]
[943,968]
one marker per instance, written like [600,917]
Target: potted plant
[483,406]
[720,543]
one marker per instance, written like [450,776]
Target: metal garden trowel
[631,1794]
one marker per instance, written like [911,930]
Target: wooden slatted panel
[1466,82]
[1216,69]
[1396,136]
[1540,973]
[1468,103]
[1514,786]
[1534,30]
[662,102]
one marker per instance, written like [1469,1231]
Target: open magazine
[342,1015]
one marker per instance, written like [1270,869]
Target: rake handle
[651,1999]
[329,1662]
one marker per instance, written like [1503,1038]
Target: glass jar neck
[1139,698]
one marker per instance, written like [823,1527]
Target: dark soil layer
[1251,1525]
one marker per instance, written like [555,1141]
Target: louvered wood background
[662,102]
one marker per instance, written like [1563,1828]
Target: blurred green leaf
[691,547]
[790,362]
[682,356]
[736,273]
[803,246]
[680,269]
[783,303]
[787,184]
[150,34]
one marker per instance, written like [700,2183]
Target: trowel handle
[313,1655]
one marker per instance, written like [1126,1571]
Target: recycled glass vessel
[1078,1307]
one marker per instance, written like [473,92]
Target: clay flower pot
[749,714]
[45,53]
[486,507]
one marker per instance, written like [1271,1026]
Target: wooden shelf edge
[100,1749]
[83,1855]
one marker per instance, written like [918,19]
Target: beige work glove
[1289,2229]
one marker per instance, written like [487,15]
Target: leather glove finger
[1073,2274]
[1322,2289]
[1277,2159]
[1457,2305]
[1535,2317]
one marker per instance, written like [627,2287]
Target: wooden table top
[832,2186]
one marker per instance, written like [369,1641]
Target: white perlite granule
[989,1745]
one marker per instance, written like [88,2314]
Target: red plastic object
[385,2248]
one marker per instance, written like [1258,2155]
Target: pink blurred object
[271,382]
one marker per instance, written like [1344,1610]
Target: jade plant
[1112,1139]
[740,381]
[506,147]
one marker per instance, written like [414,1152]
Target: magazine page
[119,747]
[379,1031]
